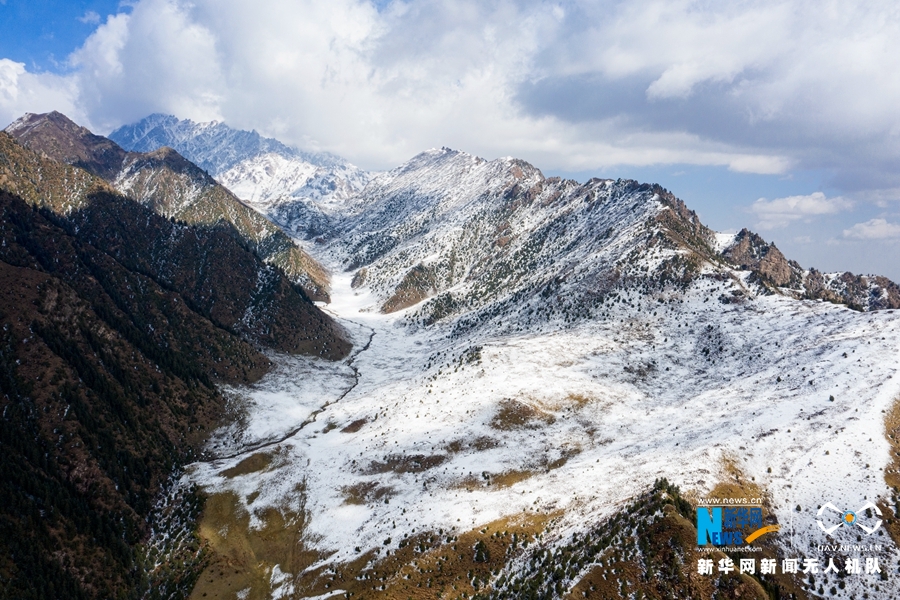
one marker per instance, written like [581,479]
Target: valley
[573,422]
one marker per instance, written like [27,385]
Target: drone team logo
[849,518]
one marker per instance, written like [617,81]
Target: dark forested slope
[115,323]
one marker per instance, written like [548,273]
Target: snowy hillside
[486,238]
[572,422]
[300,196]
[301,191]
[531,355]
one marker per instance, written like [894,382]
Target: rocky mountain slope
[535,356]
[171,186]
[458,235]
[301,191]
[117,325]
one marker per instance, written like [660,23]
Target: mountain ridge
[216,146]
[173,186]
[301,191]
[450,233]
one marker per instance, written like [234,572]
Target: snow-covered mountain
[301,191]
[546,377]
[460,236]
[533,356]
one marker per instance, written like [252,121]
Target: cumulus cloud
[155,59]
[22,91]
[781,212]
[760,86]
[874,229]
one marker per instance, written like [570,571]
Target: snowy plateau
[534,346]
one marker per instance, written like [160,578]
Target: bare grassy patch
[511,478]
[479,444]
[568,402]
[559,462]
[354,426]
[579,400]
[241,558]
[495,480]
[892,473]
[734,484]
[252,464]
[401,463]
[418,284]
[513,414]
[366,492]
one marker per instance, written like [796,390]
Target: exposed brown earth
[418,284]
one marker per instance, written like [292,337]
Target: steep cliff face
[173,187]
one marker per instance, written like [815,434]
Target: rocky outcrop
[750,252]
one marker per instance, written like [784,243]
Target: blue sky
[43,33]
[779,116]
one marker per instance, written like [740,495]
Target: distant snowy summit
[301,191]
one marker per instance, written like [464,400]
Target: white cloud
[22,91]
[781,212]
[155,59]
[760,86]
[874,229]
[90,17]
[761,164]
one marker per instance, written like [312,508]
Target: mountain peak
[212,145]
[447,162]
[32,120]
[298,190]
[61,139]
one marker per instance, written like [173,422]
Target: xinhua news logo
[730,525]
